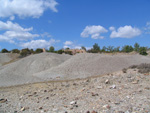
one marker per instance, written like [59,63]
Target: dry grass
[143,68]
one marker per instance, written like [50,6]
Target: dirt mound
[7,57]
[85,65]
[20,72]
[51,66]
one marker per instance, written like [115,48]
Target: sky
[73,23]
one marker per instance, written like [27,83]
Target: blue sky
[73,23]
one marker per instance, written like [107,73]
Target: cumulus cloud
[33,44]
[71,45]
[111,28]
[94,31]
[26,8]
[68,43]
[125,32]
[13,31]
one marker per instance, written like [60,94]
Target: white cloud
[94,31]
[111,28]
[71,45]
[14,31]
[13,26]
[125,32]
[68,43]
[26,8]
[12,18]
[147,28]
[45,34]
[33,44]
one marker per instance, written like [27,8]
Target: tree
[142,51]
[38,50]
[95,48]
[25,52]
[83,48]
[4,51]
[127,48]
[136,47]
[32,51]
[60,51]
[104,49]
[15,51]
[110,48]
[117,49]
[51,49]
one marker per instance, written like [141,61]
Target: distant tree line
[127,48]
[95,49]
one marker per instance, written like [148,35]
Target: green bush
[51,49]
[38,50]
[15,51]
[60,51]
[25,52]
[142,51]
[4,51]
[127,48]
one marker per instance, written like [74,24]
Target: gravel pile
[4,57]
[21,71]
[85,65]
[51,66]
[112,93]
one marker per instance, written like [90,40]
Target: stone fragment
[73,103]
[23,109]
[3,100]
[107,81]
[113,87]
[40,107]
[135,82]
[106,106]
[94,94]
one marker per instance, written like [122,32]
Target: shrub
[38,50]
[4,51]
[25,52]
[68,52]
[142,68]
[136,47]
[60,51]
[142,51]
[127,48]
[133,66]
[51,49]
[15,51]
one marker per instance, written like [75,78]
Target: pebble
[73,103]
[3,100]
[23,109]
[107,81]
[99,87]
[113,87]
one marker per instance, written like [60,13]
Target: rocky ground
[118,92]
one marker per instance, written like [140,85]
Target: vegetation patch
[142,68]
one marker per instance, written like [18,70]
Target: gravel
[4,58]
[20,72]
[87,64]
[51,66]
[90,95]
